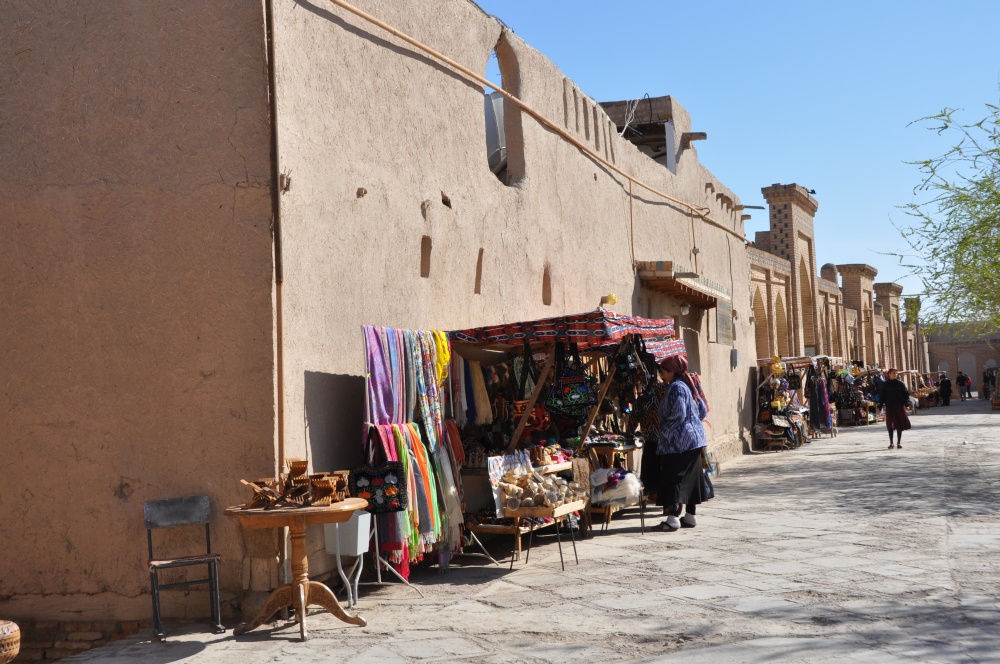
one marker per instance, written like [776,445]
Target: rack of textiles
[795,401]
[405,404]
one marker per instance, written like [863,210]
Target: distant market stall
[793,401]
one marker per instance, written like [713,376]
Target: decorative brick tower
[888,295]
[791,237]
[858,289]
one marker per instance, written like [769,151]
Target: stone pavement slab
[839,551]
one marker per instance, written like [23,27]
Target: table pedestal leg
[319,594]
[277,600]
[302,592]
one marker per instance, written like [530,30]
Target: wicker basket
[10,641]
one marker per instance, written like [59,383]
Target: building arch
[809,322]
[761,325]
[835,347]
[781,326]
[944,367]
[504,134]
[967,365]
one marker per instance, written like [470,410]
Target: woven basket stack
[10,641]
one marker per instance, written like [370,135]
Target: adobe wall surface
[386,147]
[135,273]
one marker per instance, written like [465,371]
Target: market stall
[921,394]
[856,393]
[780,415]
[475,431]
[994,373]
[561,387]
[927,392]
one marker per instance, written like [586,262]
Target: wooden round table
[301,592]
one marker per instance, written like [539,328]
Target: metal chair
[174,513]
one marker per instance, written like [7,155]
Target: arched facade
[761,328]
[781,326]
[808,309]
[840,312]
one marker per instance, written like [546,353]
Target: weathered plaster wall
[386,147]
[135,291]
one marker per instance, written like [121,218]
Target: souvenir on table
[383,486]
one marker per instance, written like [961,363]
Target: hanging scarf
[451,512]
[470,393]
[455,439]
[428,526]
[458,390]
[484,411]
[394,529]
[380,388]
[443,351]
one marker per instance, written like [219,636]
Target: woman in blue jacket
[681,443]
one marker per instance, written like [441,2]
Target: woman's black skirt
[896,419]
[680,479]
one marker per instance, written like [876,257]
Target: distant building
[841,312]
[963,347]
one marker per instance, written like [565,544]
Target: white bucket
[352,536]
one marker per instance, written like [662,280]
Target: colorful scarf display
[407,374]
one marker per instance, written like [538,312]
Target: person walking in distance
[962,381]
[895,396]
[944,387]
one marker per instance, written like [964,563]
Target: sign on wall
[724,321]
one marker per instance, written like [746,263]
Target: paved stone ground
[841,551]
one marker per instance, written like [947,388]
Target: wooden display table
[517,530]
[301,592]
[557,514]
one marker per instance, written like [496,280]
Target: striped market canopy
[595,330]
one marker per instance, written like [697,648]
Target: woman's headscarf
[679,365]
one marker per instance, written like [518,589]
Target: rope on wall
[703,213]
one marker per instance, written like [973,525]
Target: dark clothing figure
[680,445]
[944,387]
[895,398]
[963,384]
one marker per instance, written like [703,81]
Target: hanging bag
[646,359]
[539,418]
[574,392]
[627,363]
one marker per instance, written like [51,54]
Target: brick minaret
[888,294]
[792,211]
[857,286]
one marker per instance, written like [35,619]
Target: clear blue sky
[818,93]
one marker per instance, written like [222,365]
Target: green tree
[955,230]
